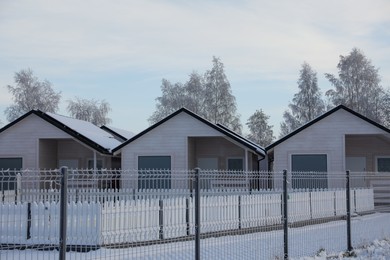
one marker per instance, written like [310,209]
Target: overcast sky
[121,50]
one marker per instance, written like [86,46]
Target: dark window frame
[380,168]
[229,166]
[311,172]
[154,177]
[8,180]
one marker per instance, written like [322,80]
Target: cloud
[111,35]
[261,43]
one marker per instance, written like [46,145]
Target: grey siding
[327,136]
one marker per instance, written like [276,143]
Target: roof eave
[271,146]
[85,140]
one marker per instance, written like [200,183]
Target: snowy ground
[379,249]
[371,236]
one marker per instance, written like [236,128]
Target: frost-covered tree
[31,93]
[175,96]
[260,131]
[385,108]
[306,105]
[195,94]
[172,99]
[220,104]
[92,110]
[209,96]
[357,85]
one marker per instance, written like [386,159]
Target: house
[184,141]
[39,140]
[339,140]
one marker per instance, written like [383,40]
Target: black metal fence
[193,214]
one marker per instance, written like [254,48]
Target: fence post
[285,214]
[63,212]
[197,214]
[348,195]
[161,218]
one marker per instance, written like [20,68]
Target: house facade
[337,141]
[184,141]
[39,140]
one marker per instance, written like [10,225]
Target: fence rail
[131,217]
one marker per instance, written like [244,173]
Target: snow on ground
[371,238]
[379,249]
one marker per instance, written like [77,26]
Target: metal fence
[198,214]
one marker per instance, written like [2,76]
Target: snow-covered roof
[88,130]
[121,133]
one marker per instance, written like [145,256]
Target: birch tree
[357,85]
[209,96]
[175,96]
[92,110]
[31,93]
[306,105]
[220,104]
[260,131]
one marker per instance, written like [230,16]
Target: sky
[119,51]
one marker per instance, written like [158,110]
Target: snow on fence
[129,220]
[96,195]
[13,223]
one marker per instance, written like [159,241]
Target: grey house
[339,140]
[184,141]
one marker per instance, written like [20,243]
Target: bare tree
[30,93]
[306,105]
[260,131]
[209,96]
[357,85]
[93,111]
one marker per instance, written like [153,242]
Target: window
[309,171]
[70,163]
[235,164]
[154,172]
[8,179]
[208,163]
[99,164]
[383,164]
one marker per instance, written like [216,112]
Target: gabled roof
[312,122]
[120,133]
[254,147]
[85,132]
[260,148]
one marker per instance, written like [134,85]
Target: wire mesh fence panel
[151,214]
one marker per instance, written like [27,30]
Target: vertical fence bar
[197,214]
[188,228]
[239,211]
[29,220]
[63,212]
[348,196]
[285,214]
